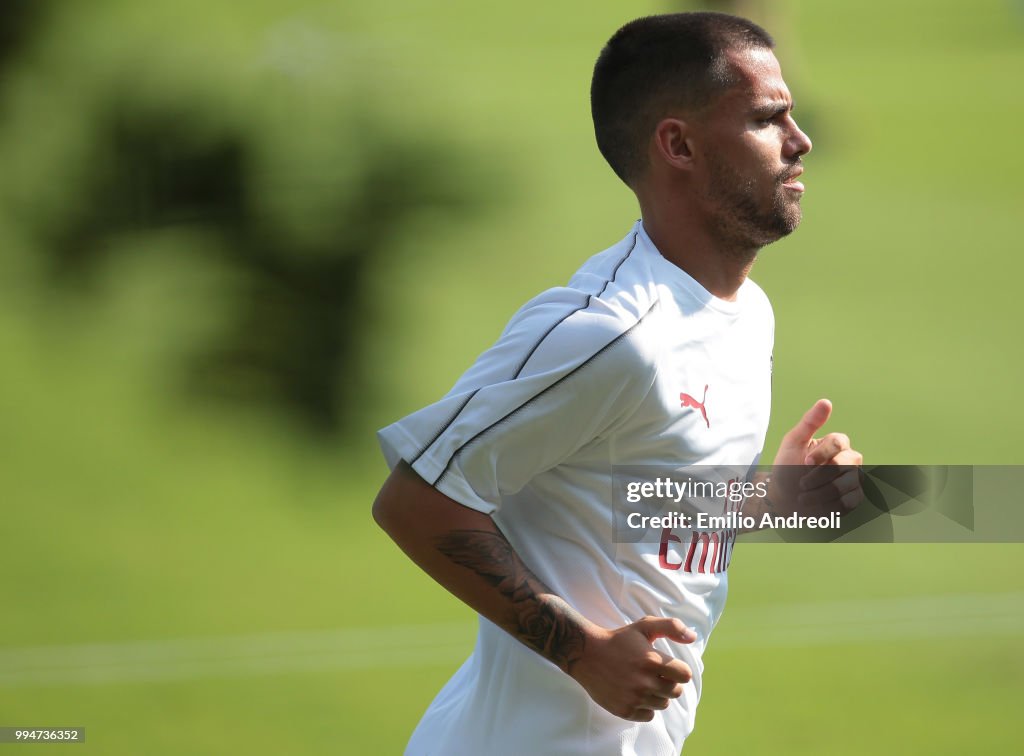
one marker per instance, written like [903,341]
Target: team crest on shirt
[686,400]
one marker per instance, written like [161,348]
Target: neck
[719,264]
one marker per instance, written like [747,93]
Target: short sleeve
[564,373]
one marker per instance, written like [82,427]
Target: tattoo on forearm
[541,620]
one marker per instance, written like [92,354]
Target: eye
[775,117]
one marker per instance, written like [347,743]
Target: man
[501,491]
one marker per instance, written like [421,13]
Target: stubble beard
[739,221]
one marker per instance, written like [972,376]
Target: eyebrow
[775,107]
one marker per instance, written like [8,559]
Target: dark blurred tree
[20,20]
[153,156]
[300,308]
[147,170]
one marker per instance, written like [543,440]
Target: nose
[798,143]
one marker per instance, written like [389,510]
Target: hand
[624,674]
[834,480]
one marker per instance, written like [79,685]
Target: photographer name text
[730,521]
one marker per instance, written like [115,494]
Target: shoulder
[570,326]
[599,316]
[565,330]
[605,301]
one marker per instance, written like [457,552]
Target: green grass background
[129,515]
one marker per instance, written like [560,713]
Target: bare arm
[464,551]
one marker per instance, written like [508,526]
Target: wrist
[759,503]
[782,489]
[593,637]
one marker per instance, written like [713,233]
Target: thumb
[665,627]
[809,424]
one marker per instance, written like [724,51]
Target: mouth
[791,182]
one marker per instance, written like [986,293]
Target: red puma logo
[689,401]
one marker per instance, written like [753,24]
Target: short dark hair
[657,63]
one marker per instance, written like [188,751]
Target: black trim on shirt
[546,389]
[522,365]
[584,306]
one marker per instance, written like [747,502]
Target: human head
[658,63]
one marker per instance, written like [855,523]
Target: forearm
[465,552]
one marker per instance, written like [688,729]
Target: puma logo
[689,401]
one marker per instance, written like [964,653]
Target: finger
[852,499]
[827,448]
[675,670]
[655,702]
[837,481]
[665,627]
[829,495]
[809,424]
[849,458]
[821,475]
[668,688]
[822,506]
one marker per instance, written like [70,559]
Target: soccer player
[502,490]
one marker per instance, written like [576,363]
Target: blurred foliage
[296,293]
[19,19]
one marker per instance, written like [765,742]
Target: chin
[778,231]
[786,221]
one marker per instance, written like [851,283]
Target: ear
[673,143]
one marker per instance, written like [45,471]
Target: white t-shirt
[632,363]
